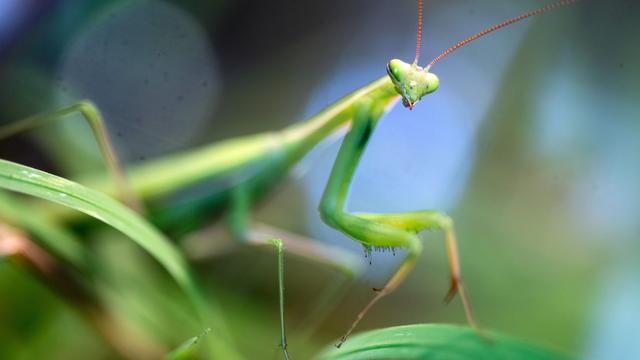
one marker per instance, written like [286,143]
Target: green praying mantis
[257,162]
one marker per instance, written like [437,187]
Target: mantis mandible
[258,161]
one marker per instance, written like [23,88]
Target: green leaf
[26,180]
[38,183]
[436,342]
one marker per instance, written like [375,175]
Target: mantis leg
[346,263]
[239,218]
[383,230]
[418,221]
[249,232]
[92,116]
[257,234]
[277,243]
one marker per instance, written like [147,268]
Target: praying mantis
[255,163]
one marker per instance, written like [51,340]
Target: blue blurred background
[531,144]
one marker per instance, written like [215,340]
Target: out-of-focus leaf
[436,342]
[40,184]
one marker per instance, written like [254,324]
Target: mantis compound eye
[395,69]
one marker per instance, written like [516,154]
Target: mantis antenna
[419,35]
[488,30]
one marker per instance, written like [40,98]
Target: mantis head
[412,82]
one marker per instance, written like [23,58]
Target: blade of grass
[26,180]
[436,342]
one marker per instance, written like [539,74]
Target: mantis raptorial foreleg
[92,116]
[383,230]
[418,221]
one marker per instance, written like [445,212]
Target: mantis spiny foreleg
[384,230]
[412,82]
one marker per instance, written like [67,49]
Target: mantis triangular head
[412,82]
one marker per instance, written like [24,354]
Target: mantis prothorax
[261,160]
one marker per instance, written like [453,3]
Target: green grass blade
[436,342]
[26,180]
[37,183]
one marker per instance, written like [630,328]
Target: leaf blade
[26,180]
[436,342]
[38,183]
